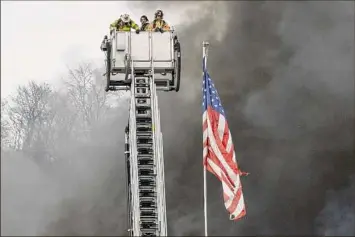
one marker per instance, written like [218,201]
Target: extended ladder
[146,69]
[146,197]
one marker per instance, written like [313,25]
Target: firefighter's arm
[134,25]
[150,27]
[113,25]
[166,26]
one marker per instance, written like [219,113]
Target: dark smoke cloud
[284,72]
[337,217]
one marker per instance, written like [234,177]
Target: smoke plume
[284,72]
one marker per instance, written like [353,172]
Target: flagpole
[205,54]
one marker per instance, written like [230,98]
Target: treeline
[41,120]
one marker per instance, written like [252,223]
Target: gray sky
[38,39]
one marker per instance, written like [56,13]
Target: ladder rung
[147,177]
[149,231]
[150,227]
[143,120]
[147,213]
[144,145]
[148,220]
[149,209]
[144,135]
[148,193]
[147,172]
[145,157]
[144,125]
[146,106]
[145,141]
[143,116]
[147,167]
[143,150]
[146,183]
[144,131]
[147,199]
[146,162]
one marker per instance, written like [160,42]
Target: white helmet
[125,18]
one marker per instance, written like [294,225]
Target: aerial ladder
[146,63]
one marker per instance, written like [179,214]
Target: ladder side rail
[128,184]
[162,179]
[153,97]
[160,168]
[132,167]
[155,123]
[157,145]
[132,173]
[157,158]
[135,181]
[161,210]
[136,211]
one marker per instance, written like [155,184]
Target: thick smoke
[82,193]
[284,72]
[337,217]
[20,178]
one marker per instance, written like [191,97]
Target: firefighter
[159,24]
[124,23]
[145,23]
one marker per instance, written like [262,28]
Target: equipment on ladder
[148,61]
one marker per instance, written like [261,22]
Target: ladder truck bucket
[148,53]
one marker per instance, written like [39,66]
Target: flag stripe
[218,153]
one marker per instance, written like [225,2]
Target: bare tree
[30,114]
[86,93]
[5,125]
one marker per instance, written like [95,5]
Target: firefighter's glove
[137,31]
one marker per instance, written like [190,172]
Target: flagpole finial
[205,45]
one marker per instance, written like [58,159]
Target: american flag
[218,149]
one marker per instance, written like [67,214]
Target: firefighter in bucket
[159,24]
[124,23]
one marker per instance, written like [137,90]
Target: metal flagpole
[205,54]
